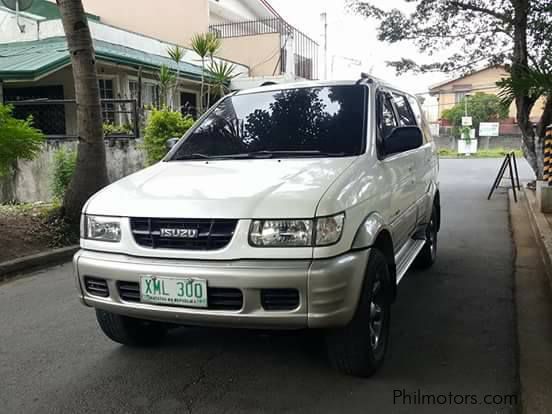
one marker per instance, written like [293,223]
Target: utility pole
[324,20]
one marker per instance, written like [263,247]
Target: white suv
[284,207]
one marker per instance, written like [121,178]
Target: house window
[50,118]
[150,93]
[106,92]
[133,88]
[459,96]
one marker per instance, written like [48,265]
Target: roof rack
[365,77]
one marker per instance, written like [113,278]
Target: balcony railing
[304,48]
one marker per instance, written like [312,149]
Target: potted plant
[467,144]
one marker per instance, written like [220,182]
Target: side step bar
[406,256]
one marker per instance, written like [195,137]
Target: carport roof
[30,60]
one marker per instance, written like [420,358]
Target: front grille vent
[96,287]
[224,299]
[206,234]
[280,299]
[129,292]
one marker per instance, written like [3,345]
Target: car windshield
[304,122]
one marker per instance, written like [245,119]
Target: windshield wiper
[264,154]
[289,153]
[297,153]
[197,156]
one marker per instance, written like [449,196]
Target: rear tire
[130,331]
[359,348]
[428,255]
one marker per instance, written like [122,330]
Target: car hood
[240,189]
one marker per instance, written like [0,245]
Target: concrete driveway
[452,335]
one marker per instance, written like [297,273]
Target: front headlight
[102,228]
[329,229]
[322,231]
[281,233]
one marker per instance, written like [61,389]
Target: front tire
[130,331]
[359,348]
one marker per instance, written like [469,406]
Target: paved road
[453,332]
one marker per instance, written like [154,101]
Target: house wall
[261,53]
[483,81]
[228,11]
[10,32]
[170,20]
[32,180]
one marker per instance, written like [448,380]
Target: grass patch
[490,153]
[30,228]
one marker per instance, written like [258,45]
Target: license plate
[188,292]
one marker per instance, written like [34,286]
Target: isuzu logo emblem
[180,233]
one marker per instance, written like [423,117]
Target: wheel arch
[437,204]
[384,243]
[373,233]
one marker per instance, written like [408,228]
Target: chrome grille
[209,234]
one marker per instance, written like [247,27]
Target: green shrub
[162,125]
[64,167]
[18,139]
[112,129]
[482,107]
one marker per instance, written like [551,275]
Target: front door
[399,171]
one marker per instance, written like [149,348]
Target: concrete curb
[540,225]
[533,310]
[12,268]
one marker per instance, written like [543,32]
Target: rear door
[399,170]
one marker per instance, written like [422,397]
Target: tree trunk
[531,145]
[90,172]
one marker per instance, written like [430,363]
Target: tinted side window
[385,116]
[420,118]
[406,116]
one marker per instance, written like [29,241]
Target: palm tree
[166,81]
[200,45]
[214,45]
[176,53]
[221,75]
[90,171]
[533,83]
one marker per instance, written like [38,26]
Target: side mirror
[171,142]
[403,139]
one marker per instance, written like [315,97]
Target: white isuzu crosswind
[284,207]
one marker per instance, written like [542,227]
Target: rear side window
[385,117]
[406,116]
[420,118]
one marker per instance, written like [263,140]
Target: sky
[354,37]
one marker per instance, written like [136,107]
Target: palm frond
[200,44]
[176,53]
[221,74]
[214,43]
[530,82]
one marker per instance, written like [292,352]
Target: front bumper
[329,289]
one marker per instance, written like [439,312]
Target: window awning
[34,59]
